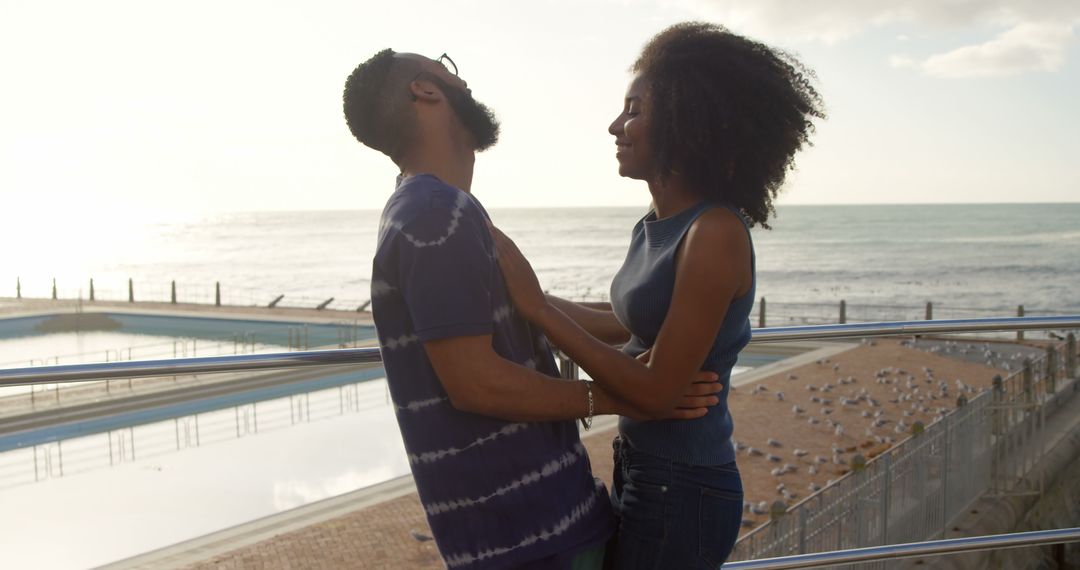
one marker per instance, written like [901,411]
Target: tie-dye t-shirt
[497,494]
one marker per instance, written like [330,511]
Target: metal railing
[911,550]
[173,367]
[914,489]
[867,507]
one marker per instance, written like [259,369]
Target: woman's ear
[422,90]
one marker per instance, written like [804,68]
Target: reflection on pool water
[182,478]
[103,346]
[108,346]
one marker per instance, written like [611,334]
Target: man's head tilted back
[394,99]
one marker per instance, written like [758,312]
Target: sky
[134,107]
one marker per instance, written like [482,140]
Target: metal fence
[915,489]
[765,312]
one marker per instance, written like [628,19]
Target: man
[487,423]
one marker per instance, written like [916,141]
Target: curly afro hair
[727,113]
[374,115]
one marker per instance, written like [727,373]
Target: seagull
[800,452]
[774,443]
[812,470]
[797,410]
[814,487]
[780,396]
[419,536]
[773,458]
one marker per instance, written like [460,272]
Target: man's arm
[480,381]
[596,318]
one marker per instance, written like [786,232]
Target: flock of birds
[982,352]
[846,407]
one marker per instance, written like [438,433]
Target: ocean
[970,258]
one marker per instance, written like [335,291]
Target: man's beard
[478,119]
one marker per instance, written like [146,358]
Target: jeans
[673,515]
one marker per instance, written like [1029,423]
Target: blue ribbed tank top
[640,297]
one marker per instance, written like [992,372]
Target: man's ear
[425,91]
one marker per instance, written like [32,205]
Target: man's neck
[456,171]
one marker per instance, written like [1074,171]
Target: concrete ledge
[798,354]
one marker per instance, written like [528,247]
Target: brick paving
[379,537]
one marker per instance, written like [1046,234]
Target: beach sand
[380,536]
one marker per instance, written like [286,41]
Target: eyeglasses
[447,63]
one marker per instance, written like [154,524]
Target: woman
[711,122]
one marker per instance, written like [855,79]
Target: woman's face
[631,132]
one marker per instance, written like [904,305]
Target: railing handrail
[910,550]
[236,363]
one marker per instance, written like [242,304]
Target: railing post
[54,288]
[1070,356]
[91,288]
[761,314]
[1028,375]
[172,295]
[217,293]
[131,291]
[886,489]
[858,469]
[843,311]
[929,311]
[1051,369]
[802,531]
[945,475]
[568,368]
[1020,313]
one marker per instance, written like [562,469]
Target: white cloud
[832,21]
[902,62]
[1037,32]
[1025,47]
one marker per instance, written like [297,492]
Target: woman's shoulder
[716,231]
[719,222]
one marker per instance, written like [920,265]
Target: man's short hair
[375,103]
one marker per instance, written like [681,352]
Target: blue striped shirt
[497,494]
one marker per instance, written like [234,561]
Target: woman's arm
[712,267]
[596,318]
